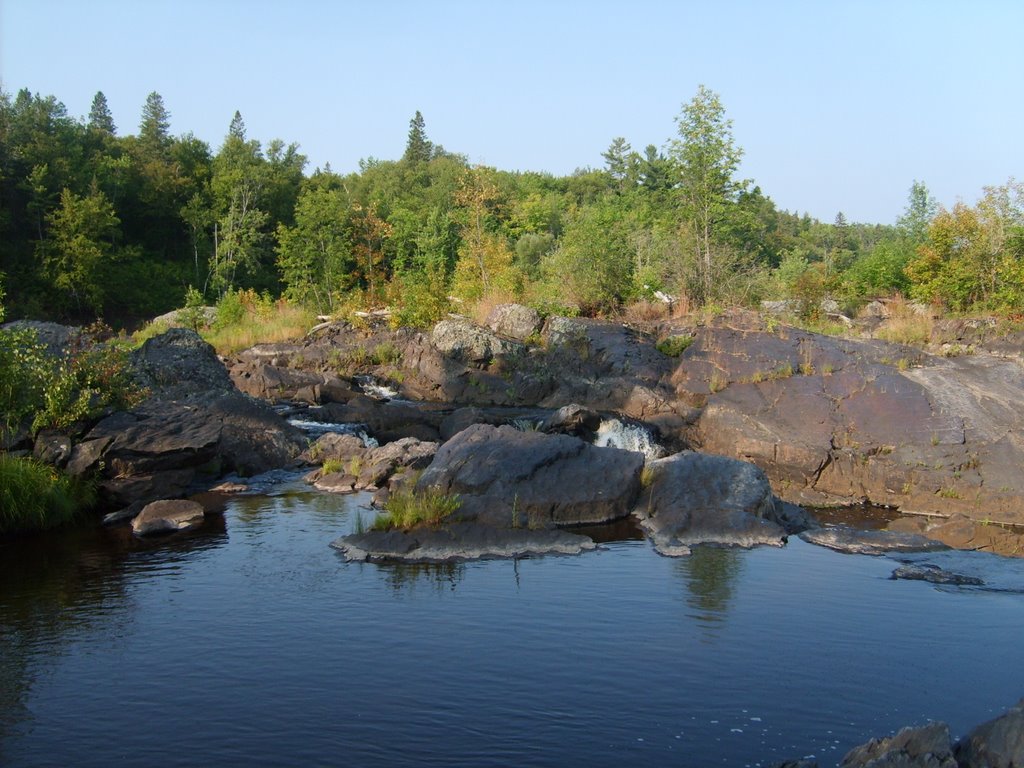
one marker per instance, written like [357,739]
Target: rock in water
[925,747]
[512,479]
[695,498]
[999,743]
[167,516]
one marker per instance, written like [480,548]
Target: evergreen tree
[156,122]
[417,149]
[237,127]
[100,118]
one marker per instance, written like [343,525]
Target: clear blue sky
[838,106]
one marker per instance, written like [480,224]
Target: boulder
[512,479]
[514,320]
[86,457]
[386,420]
[461,340]
[379,464]
[572,420]
[999,743]
[926,746]
[336,446]
[53,448]
[178,363]
[566,332]
[167,516]
[695,498]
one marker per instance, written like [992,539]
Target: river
[252,642]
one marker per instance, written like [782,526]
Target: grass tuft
[405,509]
[35,496]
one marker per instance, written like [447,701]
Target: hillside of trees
[96,223]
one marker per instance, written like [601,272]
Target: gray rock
[510,479]
[379,464]
[857,542]
[999,743]
[179,363]
[336,446]
[86,457]
[935,575]
[53,448]
[514,320]
[566,332]
[927,746]
[572,420]
[695,498]
[459,541]
[460,340]
[167,516]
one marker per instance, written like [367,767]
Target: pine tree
[156,121]
[418,148]
[100,118]
[237,127]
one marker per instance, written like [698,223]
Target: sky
[838,106]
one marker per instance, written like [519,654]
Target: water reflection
[60,586]
[407,577]
[711,574]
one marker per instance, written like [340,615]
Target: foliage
[245,318]
[406,509]
[674,346]
[25,371]
[35,496]
[91,377]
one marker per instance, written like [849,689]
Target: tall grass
[35,496]
[405,509]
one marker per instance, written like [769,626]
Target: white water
[375,389]
[317,428]
[631,437]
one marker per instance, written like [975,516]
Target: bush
[674,346]
[35,496]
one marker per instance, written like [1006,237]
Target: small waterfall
[375,389]
[631,437]
[318,428]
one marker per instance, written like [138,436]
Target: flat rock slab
[935,575]
[927,746]
[167,516]
[858,542]
[457,542]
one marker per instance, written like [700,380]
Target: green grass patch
[35,496]
[405,509]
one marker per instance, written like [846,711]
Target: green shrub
[674,346]
[25,371]
[35,496]
[405,509]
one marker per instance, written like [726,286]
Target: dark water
[251,642]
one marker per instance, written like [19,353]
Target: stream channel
[251,642]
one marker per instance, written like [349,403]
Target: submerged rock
[167,516]
[459,541]
[857,542]
[935,575]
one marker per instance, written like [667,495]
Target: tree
[100,118]
[154,127]
[237,127]
[417,149]
[315,256]
[82,230]
[706,160]
[921,209]
[623,164]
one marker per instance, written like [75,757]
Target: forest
[99,224]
